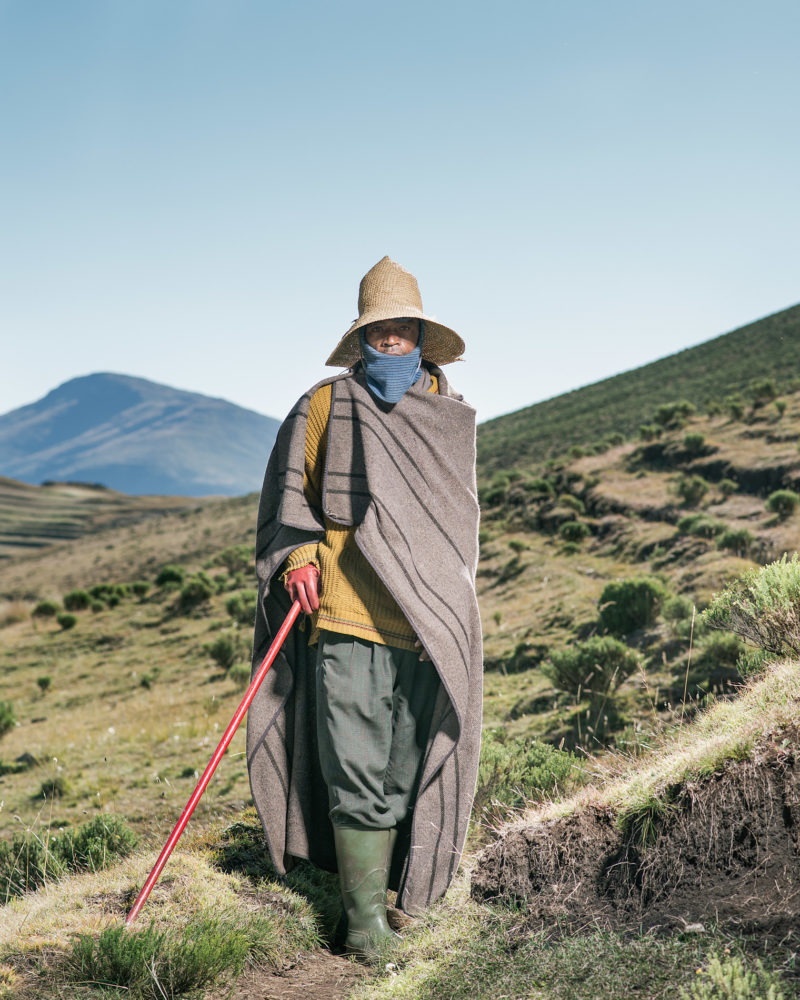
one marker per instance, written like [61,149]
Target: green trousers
[374,708]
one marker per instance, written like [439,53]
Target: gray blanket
[405,474]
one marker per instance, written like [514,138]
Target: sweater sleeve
[316,452]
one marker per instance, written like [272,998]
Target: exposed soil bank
[725,849]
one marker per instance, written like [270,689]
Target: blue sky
[193,190]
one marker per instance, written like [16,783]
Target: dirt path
[319,976]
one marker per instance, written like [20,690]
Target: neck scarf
[390,376]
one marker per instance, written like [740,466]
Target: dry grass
[724,731]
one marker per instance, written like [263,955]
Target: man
[363,740]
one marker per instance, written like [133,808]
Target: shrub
[783,503]
[236,559]
[626,605]
[694,443]
[242,606]
[753,662]
[195,592]
[223,651]
[780,407]
[729,978]
[157,962]
[515,771]
[735,406]
[762,391]
[763,607]
[46,609]
[76,600]
[96,844]
[170,576]
[595,667]
[691,489]
[673,414]
[538,485]
[676,608]
[66,621]
[574,503]
[54,788]
[25,864]
[240,673]
[574,531]
[140,588]
[727,487]
[648,432]
[700,525]
[738,540]
[97,607]
[7,718]
[44,683]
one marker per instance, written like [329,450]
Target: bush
[25,864]
[195,592]
[171,576]
[763,607]
[727,487]
[54,788]
[76,600]
[66,621]
[236,559]
[44,683]
[691,489]
[574,531]
[738,540]
[7,718]
[626,605]
[673,414]
[729,978]
[514,771]
[224,651]
[573,502]
[139,588]
[783,503]
[762,391]
[155,962]
[242,607]
[676,608]
[239,673]
[648,432]
[595,667]
[735,406]
[700,525]
[95,845]
[694,443]
[46,609]
[753,662]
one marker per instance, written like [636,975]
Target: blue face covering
[390,376]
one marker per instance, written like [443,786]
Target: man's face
[392,336]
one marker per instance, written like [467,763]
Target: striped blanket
[405,474]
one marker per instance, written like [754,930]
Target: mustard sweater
[353,600]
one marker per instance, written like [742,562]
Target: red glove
[303,586]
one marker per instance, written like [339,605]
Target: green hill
[768,348]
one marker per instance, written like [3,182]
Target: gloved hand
[303,586]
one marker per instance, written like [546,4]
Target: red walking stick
[266,663]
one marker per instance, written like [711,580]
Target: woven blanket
[405,475]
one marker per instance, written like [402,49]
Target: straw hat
[388,291]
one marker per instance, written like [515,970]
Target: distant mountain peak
[136,436]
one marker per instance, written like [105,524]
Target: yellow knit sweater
[352,598]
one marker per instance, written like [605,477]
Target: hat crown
[387,288]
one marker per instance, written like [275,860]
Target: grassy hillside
[33,517]
[620,707]
[769,348]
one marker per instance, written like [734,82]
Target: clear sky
[192,189]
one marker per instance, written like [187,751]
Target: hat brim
[440,345]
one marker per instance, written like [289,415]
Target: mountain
[137,436]
[768,348]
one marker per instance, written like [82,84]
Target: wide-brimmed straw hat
[388,291]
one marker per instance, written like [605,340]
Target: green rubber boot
[364,858]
